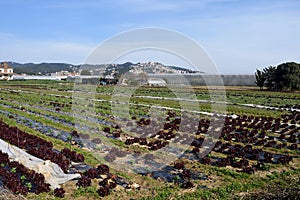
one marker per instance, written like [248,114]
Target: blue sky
[238,35]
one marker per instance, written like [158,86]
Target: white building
[6,71]
[156,82]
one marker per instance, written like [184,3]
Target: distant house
[108,81]
[156,82]
[6,71]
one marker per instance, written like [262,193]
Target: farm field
[255,156]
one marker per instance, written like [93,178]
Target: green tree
[260,79]
[85,73]
[287,76]
[270,77]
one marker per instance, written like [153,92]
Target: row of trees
[285,76]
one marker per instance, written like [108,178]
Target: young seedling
[23,177]
[176,179]
[13,170]
[28,185]
[69,138]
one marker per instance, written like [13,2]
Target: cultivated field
[255,156]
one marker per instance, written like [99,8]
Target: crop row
[38,147]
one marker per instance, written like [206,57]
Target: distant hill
[41,68]
[148,67]
[114,70]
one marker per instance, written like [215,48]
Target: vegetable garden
[258,143]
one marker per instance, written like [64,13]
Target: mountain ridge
[116,70]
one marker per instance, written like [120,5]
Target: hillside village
[108,71]
[157,74]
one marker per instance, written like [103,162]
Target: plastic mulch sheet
[52,172]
